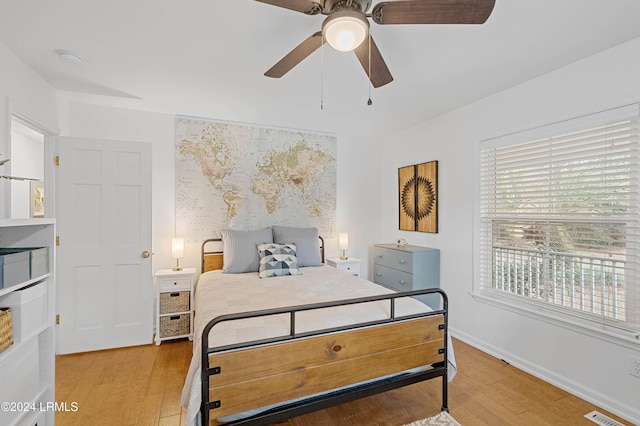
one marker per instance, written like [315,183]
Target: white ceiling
[207,57]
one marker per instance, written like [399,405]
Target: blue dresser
[407,268]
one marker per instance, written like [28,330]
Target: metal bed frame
[332,398]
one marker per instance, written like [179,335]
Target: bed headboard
[212,254]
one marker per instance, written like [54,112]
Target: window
[558,221]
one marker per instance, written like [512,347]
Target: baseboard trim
[625,411]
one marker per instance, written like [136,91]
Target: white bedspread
[217,294]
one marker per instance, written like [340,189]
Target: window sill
[541,313]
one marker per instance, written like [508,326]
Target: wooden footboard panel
[248,378]
[259,374]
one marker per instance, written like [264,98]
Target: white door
[103,215]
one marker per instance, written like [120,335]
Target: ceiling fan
[346,27]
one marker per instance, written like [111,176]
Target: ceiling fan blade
[296,56]
[305,6]
[433,12]
[380,74]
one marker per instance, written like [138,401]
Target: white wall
[592,368]
[23,91]
[358,198]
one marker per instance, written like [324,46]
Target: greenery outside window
[557,229]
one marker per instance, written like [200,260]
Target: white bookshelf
[27,367]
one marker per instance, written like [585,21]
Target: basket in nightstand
[177,301]
[175,325]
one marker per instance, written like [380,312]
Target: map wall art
[246,176]
[418,197]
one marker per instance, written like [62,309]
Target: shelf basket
[6,332]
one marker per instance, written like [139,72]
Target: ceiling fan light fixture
[345,30]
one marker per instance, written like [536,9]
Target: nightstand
[351,264]
[174,307]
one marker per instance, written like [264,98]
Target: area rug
[441,419]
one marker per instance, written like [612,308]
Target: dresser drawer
[393,278]
[396,259]
[174,283]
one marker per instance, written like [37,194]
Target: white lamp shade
[177,248]
[343,240]
[345,30]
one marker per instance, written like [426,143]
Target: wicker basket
[6,333]
[174,302]
[175,325]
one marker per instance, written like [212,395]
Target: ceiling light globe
[345,30]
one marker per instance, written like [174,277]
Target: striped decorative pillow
[277,260]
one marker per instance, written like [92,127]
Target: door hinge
[57,160]
[58,319]
[57,240]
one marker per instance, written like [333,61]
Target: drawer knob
[401,282]
[402,262]
[378,274]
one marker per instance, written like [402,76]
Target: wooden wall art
[418,197]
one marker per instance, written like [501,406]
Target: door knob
[144,254]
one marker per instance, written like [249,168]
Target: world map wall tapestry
[246,176]
[418,197]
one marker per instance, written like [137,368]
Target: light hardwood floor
[142,385]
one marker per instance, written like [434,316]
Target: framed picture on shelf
[37,198]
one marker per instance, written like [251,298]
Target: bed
[320,336]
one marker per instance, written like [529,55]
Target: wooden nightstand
[174,307]
[351,265]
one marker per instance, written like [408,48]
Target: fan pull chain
[322,73]
[369,102]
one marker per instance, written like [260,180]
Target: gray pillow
[306,241]
[241,249]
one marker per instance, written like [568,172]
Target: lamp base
[344,255]
[177,267]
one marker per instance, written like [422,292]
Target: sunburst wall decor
[418,197]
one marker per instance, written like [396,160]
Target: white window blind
[559,219]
